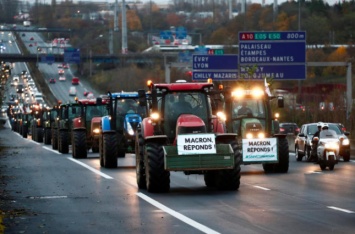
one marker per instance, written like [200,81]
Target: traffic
[122,161]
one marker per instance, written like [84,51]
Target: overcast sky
[330,2]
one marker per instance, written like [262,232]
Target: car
[60,65]
[289,128]
[31,39]
[72,91]
[65,66]
[60,71]
[303,141]
[30,45]
[62,78]
[75,81]
[52,80]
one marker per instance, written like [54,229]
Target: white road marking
[340,209]
[48,197]
[90,168]
[52,150]
[263,188]
[177,215]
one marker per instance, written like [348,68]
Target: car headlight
[345,142]
[331,145]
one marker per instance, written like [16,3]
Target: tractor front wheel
[79,144]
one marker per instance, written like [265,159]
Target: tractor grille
[185,130]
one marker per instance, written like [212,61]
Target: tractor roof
[184,86]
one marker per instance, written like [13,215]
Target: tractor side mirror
[142,97]
[280,102]
[99,100]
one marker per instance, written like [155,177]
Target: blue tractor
[118,129]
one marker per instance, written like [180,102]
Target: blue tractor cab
[119,127]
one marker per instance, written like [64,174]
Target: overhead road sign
[279,54]
[47,59]
[71,55]
[217,67]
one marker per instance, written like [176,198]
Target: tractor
[63,125]
[249,115]
[49,118]
[182,133]
[24,123]
[86,127]
[37,123]
[119,127]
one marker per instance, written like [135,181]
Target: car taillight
[282,129]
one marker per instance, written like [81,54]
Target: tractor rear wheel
[79,144]
[54,139]
[157,178]
[110,148]
[47,136]
[24,131]
[283,164]
[230,179]
[63,142]
[101,151]
[210,179]
[39,134]
[140,169]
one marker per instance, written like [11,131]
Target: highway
[64,195]
[54,193]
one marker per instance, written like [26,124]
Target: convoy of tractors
[191,127]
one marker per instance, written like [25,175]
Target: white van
[38,96]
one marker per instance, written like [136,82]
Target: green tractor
[49,118]
[64,124]
[249,115]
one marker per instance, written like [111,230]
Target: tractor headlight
[261,135]
[249,135]
[155,116]
[221,116]
[130,129]
[96,130]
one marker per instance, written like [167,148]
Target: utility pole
[124,29]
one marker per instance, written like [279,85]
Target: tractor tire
[34,134]
[157,178]
[322,165]
[230,179]
[54,139]
[110,148]
[121,152]
[210,179]
[331,167]
[79,145]
[47,136]
[346,157]
[268,167]
[140,169]
[298,155]
[63,142]
[24,131]
[39,135]
[101,151]
[282,166]
[95,149]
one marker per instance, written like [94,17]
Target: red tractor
[86,127]
[183,134]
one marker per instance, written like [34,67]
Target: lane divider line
[340,209]
[91,169]
[263,188]
[177,215]
[49,149]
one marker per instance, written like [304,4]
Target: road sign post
[277,55]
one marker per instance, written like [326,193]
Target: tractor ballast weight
[249,114]
[86,127]
[118,128]
[182,134]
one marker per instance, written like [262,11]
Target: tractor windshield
[95,111]
[248,110]
[178,103]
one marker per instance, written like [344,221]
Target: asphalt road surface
[43,191]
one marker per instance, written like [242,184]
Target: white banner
[257,150]
[196,144]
